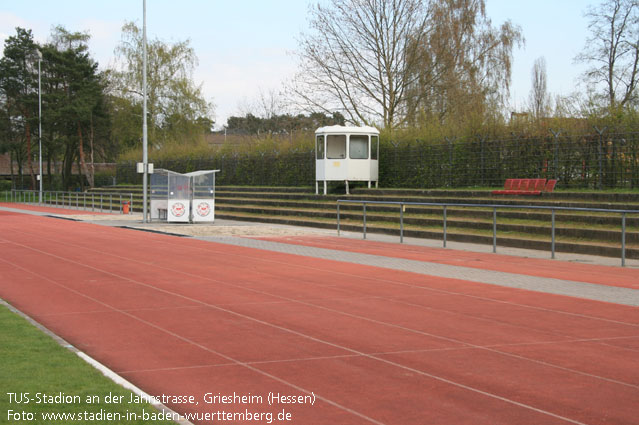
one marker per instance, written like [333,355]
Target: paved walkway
[611,294]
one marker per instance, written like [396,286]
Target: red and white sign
[178,209]
[203,209]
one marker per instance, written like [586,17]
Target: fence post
[600,155]
[445,225]
[131,203]
[483,161]
[450,161]
[556,154]
[364,228]
[401,222]
[552,237]
[494,230]
[623,239]
[338,219]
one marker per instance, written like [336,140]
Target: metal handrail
[70,199]
[402,206]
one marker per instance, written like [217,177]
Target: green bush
[578,161]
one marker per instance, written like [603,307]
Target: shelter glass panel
[159,185]
[358,146]
[374,147]
[320,147]
[336,146]
[204,186]
[179,187]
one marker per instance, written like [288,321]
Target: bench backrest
[508,184]
[540,184]
[516,184]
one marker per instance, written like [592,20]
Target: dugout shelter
[183,198]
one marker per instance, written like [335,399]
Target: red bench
[526,187]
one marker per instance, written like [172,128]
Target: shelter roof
[341,129]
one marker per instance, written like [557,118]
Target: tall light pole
[39,53]
[145,154]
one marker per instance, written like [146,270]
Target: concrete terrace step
[603,249]
[580,232]
[576,195]
[609,234]
[538,215]
[576,200]
[440,200]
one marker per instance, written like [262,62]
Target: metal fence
[54,182]
[597,161]
[86,201]
[494,208]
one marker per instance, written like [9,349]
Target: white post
[145,155]
[40,120]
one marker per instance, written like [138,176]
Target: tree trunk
[27,133]
[13,183]
[67,165]
[80,175]
[84,170]
[91,136]
[20,173]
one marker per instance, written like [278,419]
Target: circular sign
[178,209]
[203,209]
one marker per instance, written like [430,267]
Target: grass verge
[34,363]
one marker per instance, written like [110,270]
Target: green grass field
[32,362]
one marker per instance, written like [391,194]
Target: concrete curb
[97,365]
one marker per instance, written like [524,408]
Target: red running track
[52,210]
[182,316]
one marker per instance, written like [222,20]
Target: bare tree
[612,50]
[465,62]
[175,101]
[391,61]
[539,99]
[358,58]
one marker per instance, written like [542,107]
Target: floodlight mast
[145,154]
[40,121]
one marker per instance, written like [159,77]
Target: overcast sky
[245,46]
